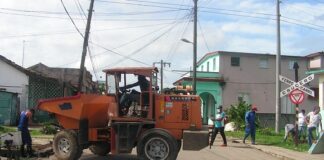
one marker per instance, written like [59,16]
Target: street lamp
[194,66]
[185,40]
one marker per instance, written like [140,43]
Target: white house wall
[210,60]
[13,80]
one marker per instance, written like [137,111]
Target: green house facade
[209,85]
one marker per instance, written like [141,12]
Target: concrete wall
[15,81]
[70,75]
[259,83]
[267,120]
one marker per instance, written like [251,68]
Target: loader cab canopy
[133,87]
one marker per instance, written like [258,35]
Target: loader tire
[157,144]
[100,149]
[65,146]
[179,143]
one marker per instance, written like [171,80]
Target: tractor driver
[144,85]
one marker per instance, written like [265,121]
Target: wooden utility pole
[195,49]
[296,67]
[163,64]
[85,46]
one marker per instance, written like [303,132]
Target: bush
[48,128]
[236,114]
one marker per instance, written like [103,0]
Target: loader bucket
[70,110]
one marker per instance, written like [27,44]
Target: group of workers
[219,125]
[306,123]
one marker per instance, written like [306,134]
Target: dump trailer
[157,124]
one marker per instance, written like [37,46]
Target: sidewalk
[283,153]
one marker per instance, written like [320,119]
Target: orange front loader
[156,124]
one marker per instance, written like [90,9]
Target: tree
[236,114]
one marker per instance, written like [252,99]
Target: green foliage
[48,128]
[236,114]
[4,129]
[267,136]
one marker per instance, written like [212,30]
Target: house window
[207,66]
[315,62]
[263,63]
[291,64]
[202,68]
[235,61]
[214,64]
[244,97]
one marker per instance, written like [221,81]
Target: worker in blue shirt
[25,118]
[219,126]
[250,127]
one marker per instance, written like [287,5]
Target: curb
[265,151]
[271,153]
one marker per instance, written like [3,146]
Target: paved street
[234,151]
[237,151]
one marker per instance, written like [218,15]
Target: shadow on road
[110,157]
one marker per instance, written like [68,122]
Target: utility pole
[23,54]
[296,67]
[163,64]
[278,71]
[195,49]
[85,45]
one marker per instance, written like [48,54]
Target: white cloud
[221,32]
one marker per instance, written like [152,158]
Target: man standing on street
[302,124]
[219,127]
[314,121]
[25,118]
[250,126]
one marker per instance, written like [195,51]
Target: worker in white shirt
[302,126]
[315,120]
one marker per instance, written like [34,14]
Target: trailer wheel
[65,146]
[100,149]
[157,144]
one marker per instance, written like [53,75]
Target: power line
[73,32]
[97,13]
[140,13]
[144,46]
[238,11]
[138,19]
[166,5]
[240,15]
[303,22]
[176,41]
[148,4]
[83,14]
[37,16]
[202,33]
[299,9]
[175,46]
[303,25]
[66,11]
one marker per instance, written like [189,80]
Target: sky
[141,32]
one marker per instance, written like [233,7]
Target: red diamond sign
[296,96]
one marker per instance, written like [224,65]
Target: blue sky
[146,31]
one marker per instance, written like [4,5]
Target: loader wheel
[179,145]
[66,146]
[157,144]
[100,149]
